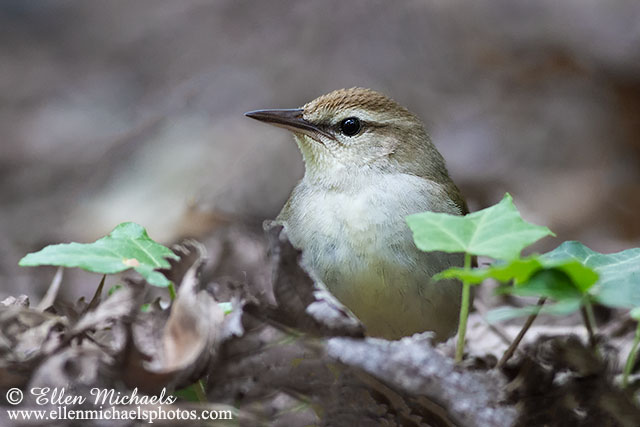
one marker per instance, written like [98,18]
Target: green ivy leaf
[188,393]
[555,284]
[562,308]
[127,246]
[521,270]
[115,288]
[619,282]
[498,232]
[226,307]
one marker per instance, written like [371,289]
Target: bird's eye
[350,126]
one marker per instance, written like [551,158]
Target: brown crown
[354,98]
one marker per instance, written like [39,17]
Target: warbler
[369,163]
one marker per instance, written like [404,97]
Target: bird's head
[358,131]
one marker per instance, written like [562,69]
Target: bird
[369,163]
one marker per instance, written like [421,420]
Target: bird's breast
[357,242]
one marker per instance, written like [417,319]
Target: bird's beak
[289,119]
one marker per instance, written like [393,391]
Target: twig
[628,367]
[50,297]
[514,345]
[96,296]
[589,322]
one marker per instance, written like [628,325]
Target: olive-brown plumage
[368,164]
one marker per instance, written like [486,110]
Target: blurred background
[133,111]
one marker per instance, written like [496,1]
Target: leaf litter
[289,354]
